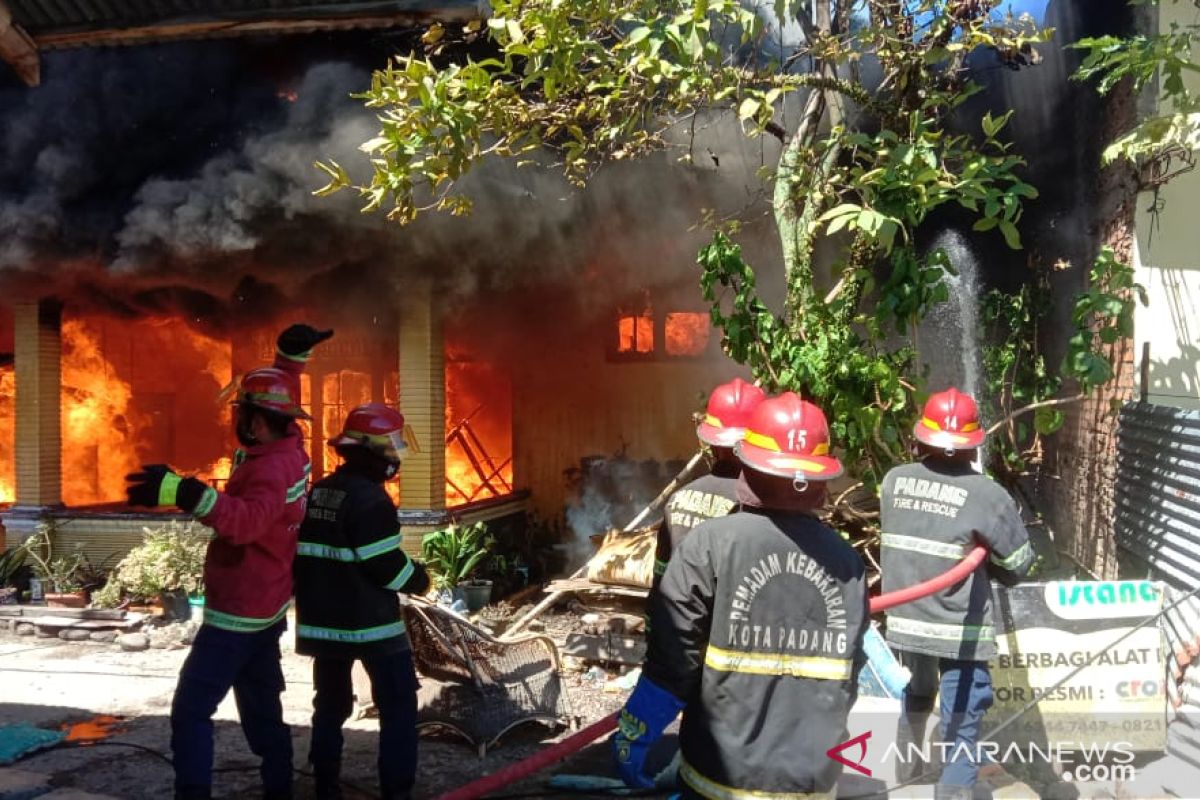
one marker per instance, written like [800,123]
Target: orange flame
[636,334]
[99,428]
[687,333]
[478,432]
[129,397]
[8,415]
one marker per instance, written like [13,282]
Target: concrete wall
[1168,264]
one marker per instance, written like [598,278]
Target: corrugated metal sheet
[45,17]
[1158,489]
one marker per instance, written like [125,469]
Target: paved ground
[48,682]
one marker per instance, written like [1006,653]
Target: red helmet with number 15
[789,437]
[950,421]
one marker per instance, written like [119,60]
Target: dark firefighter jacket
[708,497]
[932,514]
[349,567]
[757,627]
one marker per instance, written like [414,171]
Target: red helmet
[729,408]
[950,421]
[789,437]
[271,389]
[377,427]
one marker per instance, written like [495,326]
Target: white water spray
[950,335]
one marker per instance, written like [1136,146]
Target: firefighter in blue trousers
[247,573]
[349,567]
[757,629]
[931,514]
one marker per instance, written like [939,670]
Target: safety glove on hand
[298,341]
[647,713]
[159,485]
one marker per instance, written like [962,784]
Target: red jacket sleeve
[252,512]
[294,367]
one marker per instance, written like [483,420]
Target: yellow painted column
[37,330]
[423,398]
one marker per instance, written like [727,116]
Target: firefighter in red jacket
[349,568]
[247,574]
[757,629]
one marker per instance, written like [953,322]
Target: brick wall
[1077,484]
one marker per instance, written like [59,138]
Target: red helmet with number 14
[789,437]
[729,408]
[950,421]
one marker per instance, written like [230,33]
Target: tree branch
[1062,401]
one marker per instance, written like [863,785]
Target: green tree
[864,162]
[1166,62]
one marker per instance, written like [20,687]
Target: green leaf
[1011,237]
[637,34]
[1048,420]
[985,224]
[748,108]
[844,209]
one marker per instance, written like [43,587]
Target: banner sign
[1046,630]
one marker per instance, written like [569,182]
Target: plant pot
[196,607]
[66,599]
[476,594]
[175,605]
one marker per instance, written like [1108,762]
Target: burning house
[157,228]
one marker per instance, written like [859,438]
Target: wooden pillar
[423,398]
[37,330]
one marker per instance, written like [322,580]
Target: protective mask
[241,427]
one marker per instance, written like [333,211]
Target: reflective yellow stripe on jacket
[940,630]
[831,669]
[706,787]
[916,544]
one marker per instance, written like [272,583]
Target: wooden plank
[18,49]
[584,585]
[222,28]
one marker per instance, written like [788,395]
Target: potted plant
[11,560]
[452,555]
[60,575]
[167,567]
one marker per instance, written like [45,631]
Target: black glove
[298,340]
[155,485]
[159,485]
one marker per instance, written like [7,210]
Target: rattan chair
[476,685]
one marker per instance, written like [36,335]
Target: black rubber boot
[328,778]
[284,793]
[193,793]
[910,765]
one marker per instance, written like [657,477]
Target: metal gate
[1158,489]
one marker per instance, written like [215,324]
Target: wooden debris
[584,585]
